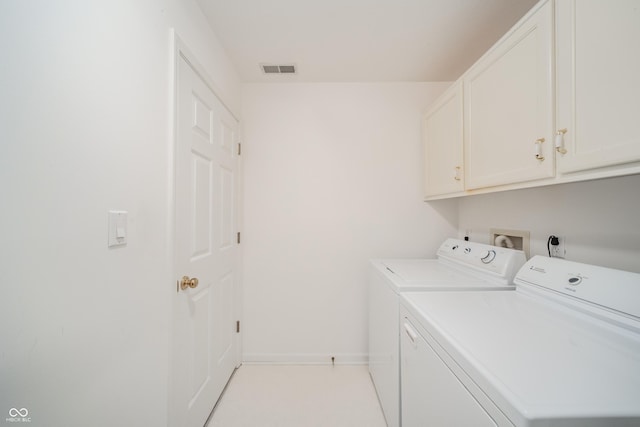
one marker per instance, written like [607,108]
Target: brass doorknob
[186,282]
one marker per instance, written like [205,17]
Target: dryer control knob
[489,256]
[575,280]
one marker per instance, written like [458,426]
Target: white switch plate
[117,228]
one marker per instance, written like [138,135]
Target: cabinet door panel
[442,133]
[598,95]
[508,101]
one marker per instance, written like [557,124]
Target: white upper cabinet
[509,107]
[541,106]
[598,86]
[442,135]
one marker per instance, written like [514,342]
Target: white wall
[85,126]
[332,179]
[600,219]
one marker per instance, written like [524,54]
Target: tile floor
[299,396]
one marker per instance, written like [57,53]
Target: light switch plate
[117,228]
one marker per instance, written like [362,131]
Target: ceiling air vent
[278,69]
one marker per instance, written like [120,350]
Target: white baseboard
[304,359]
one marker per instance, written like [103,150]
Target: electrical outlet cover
[559,250]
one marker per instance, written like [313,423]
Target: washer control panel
[500,262]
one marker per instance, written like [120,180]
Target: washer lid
[405,275]
[537,360]
[425,270]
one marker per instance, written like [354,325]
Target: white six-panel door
[204,351]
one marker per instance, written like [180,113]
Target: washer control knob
[454,247]
[467,250]
[489,256]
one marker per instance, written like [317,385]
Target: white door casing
[204,340]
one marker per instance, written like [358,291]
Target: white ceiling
[360,40]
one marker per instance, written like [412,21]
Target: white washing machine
[460,265]
[563,349]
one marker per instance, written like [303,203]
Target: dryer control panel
[600,286]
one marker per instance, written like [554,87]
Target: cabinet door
[442,134]
[598,94]
[509,107]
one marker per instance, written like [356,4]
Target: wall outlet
[558,251]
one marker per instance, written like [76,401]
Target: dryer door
[431,394]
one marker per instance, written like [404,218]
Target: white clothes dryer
[563,349]
[460,266]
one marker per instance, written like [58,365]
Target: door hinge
[239,148]
[238,237]
[237,326]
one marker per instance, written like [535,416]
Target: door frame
[180,50]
